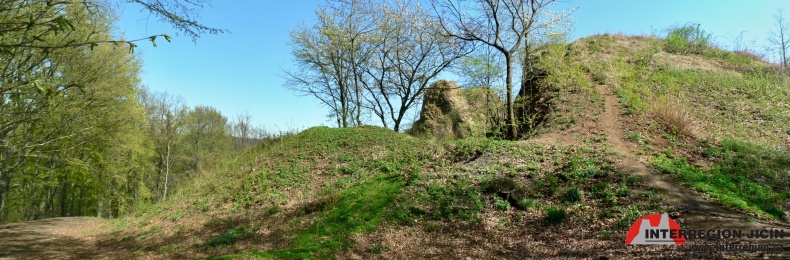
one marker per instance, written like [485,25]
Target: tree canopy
[78,134]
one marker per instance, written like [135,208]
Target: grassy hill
[713,122]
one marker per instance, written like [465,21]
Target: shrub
[527,204]
[776,212]
[555,215]
[687,39]
[501,204]
[233,235]
[599,190]
[623,192]
[572,195]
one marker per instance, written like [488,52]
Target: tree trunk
[79,205]
[167,169]
[344,105]
[2,203]
[401,114]
[783,41]
[5,183]
[64,198]
[358,104]
[511,114]
[72,212]
[100,206]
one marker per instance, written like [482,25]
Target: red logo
[655,229]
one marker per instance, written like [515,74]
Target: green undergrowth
[362,208]
[330,185]
[745,176]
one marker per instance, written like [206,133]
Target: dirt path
[54,238]
[700,213]
[697,213]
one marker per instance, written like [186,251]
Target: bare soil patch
[54,238]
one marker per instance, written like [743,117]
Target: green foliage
[555,215]
[377,249]
[528,204]
[623,192]
[459,201]
[627,217]
[273,254]
[89,132]
[747,177]
[361,208]
[687,39]
[572,195]
[482,70]
[600,190]
[75,138]
[501,204]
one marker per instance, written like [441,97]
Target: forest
[80,135]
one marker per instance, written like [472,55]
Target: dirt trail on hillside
[697,213]
[698,209]
[54,238]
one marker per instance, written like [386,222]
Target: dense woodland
[79,135]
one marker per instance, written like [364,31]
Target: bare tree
[501,24]
[328,56]
[242,129]
[779,38]
[408,52]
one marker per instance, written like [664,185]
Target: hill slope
[632,130]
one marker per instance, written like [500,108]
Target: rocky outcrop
[448,113]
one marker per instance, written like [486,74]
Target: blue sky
[242,71]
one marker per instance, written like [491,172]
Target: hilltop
[633,126]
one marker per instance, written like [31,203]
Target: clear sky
[242,71]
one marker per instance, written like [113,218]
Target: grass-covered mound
[316,193]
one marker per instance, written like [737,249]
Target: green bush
[623,192]
[572,195]
[501,204]
[599,190]
[687,39]
[555,215]
[775,211]
[527,204]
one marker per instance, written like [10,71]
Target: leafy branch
[92,44]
